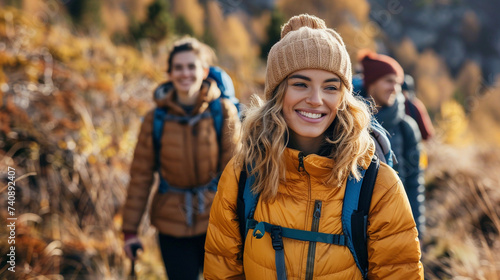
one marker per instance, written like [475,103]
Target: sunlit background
[76,77]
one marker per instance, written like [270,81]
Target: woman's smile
[310,104]
[311,116]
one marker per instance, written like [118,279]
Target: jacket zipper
[312,245]
[301,162]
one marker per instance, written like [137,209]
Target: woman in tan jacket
[303,142]
[178,140]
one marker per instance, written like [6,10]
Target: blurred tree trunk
[14,3]
[86,13]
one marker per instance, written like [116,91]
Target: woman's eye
[331,88]
[299,85]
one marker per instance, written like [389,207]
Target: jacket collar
[314,165]
[165,96]
[392,115]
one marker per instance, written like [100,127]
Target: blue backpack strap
[240,205]
[246,202]
[279,251]
[158,121]
[218,117]
[355,210]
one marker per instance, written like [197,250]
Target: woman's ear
[205,73]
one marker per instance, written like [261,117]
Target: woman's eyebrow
[297,76]
[332,80]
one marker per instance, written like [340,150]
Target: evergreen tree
[273,32]
[183,27]
[86,13]
[13,3]
[158,23]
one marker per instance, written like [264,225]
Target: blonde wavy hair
[265,137]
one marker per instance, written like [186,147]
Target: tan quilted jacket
[190,157]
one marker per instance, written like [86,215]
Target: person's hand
[132,244]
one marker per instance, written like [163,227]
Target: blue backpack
[382,143]
[355,209]
[225,84]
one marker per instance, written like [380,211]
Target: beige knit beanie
[306,43]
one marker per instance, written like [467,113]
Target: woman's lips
[312,117]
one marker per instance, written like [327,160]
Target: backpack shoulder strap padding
[158,120]
[240,204]
[381,137]
[355,210]
[218,116]
[246,202]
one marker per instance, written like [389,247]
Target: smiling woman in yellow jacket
[304,140]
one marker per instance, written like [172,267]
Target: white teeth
[310,115]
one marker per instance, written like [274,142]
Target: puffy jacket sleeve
[223,246]
[230,132]
[141,177]
[393,245]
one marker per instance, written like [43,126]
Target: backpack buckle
[277,238]
[259,230]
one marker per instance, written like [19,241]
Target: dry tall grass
[463,217]
[71,109]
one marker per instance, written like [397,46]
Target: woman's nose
[185,71]
[314,97]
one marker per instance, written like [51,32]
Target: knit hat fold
[375,66]
[306,43]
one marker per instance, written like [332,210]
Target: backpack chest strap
[259,229]
[277,233]
[188,196]
[190,120]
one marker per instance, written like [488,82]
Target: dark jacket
[406,144]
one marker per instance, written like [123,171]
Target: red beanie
[375,66]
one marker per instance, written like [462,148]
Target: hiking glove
[132,244]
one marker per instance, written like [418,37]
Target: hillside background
[76,77]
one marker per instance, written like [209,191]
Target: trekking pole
[134,249]
[132,270]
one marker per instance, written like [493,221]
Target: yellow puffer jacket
[393,246]
[190,157]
